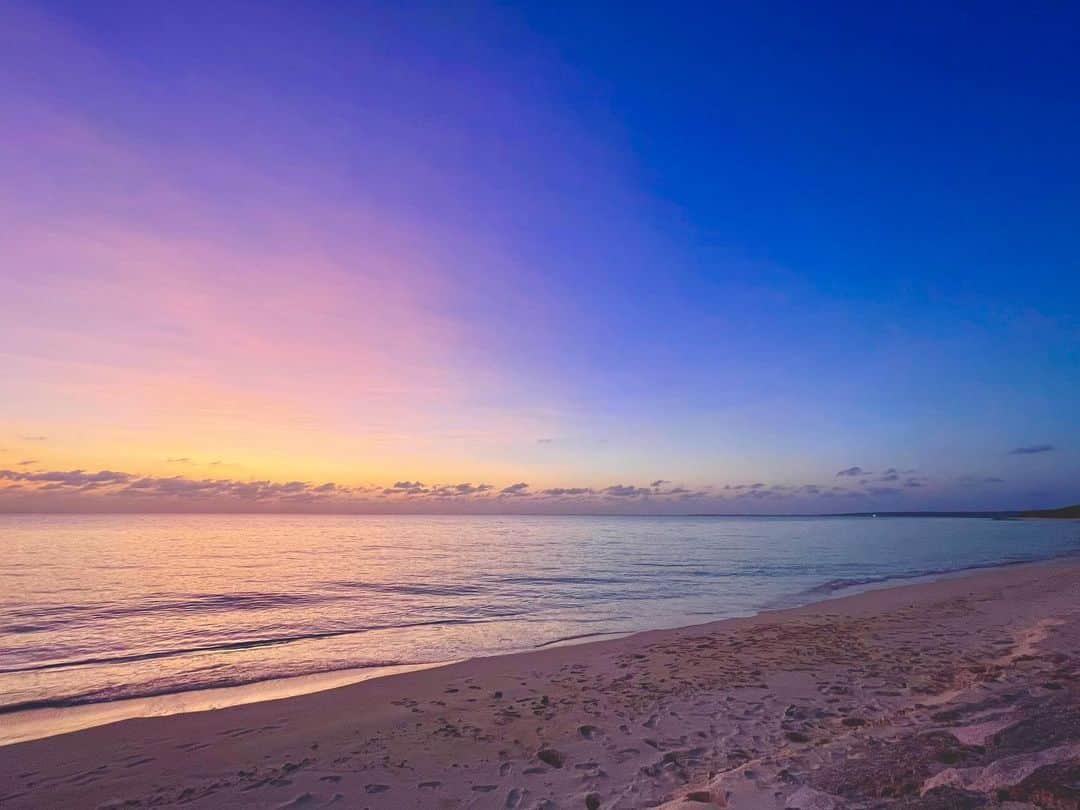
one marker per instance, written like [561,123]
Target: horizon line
[872,513]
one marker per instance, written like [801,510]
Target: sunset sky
[748,257]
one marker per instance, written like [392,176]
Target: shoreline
[42,721]
[644,717]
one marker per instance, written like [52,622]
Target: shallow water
[99,608]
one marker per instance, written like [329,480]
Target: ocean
[103,608]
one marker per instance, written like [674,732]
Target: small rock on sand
[550,756]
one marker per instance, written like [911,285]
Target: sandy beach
[957,693]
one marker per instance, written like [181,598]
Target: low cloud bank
[71,490]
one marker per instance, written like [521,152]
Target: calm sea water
[98,608]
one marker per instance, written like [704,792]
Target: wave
[580,636]
[152,691]
[229,646]
[47,616]
[566,580]
[411,589]
[844,583]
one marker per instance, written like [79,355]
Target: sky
[538,257]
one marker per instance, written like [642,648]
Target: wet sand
[950,694]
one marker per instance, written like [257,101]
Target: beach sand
[951,694]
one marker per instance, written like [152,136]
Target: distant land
[1064,512]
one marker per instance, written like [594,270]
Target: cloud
[69,478]
[626,491]
[759,491]
[459,490]
[976,480]
[760,494]
[34,438]
[122,490]
[544,441]
[689,495]
[122,484]
[559,492]
[181,460]
[882,490]
[178,486]
[1031,449]
[407,486]
[27,462]
[852,472]
[116,490]
[417,489]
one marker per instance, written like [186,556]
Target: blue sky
[573,246]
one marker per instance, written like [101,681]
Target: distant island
[1064,512]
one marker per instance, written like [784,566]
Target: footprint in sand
[302,800]
[376,788]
